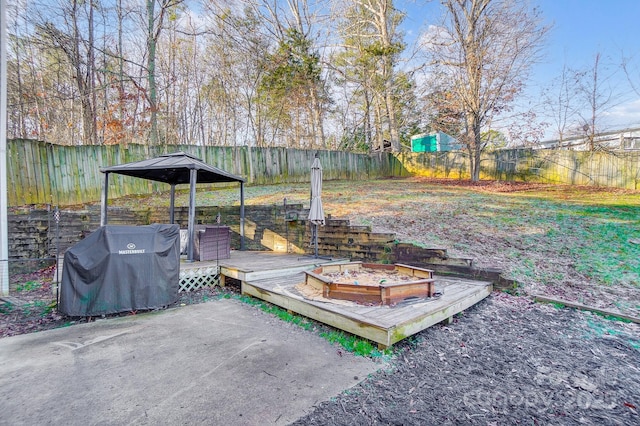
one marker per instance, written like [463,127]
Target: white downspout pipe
[4,228]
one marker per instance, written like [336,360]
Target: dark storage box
[215,243]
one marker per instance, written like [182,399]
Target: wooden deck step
[251,266]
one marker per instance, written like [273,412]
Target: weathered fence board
[42,173]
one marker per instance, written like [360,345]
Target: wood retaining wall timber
[33,234]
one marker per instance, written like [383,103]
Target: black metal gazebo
[175,169]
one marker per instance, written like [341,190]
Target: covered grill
[121,268]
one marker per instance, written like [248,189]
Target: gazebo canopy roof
[173,169]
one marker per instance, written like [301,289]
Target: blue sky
[581,28]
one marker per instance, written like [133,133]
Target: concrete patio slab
[220,363]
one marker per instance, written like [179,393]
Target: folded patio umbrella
[316,213]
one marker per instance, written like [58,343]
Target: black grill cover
[121,268]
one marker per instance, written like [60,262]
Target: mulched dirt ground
[33,309]
[504,361]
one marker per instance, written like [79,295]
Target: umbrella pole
[315,237]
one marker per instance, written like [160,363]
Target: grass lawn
[577,243]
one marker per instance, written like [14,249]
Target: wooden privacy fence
[42,173]
[604,168]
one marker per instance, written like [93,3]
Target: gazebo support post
[104,200]
[172,203]
[193,178]
[242,216]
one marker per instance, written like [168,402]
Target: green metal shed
[433,142]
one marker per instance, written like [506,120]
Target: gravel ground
[504,361]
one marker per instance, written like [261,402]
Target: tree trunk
[393,124]
[22,126]
[91,82]
[378,124]
[121,89]
[475,145]
[151,72]
[318,124]
[83,79]
[367,120]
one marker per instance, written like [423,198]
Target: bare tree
[68,36]
[597,96]
[235,63]
[155,24]
[486,48]
[632,72]
[442,108]
[17,92]
[63,72]
[560,100]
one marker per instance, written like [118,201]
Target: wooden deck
[273,277]
[256,265]
[382,324]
